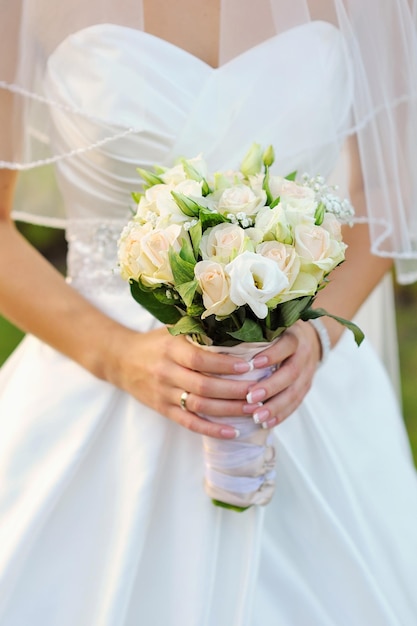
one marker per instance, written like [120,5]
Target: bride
[104,520]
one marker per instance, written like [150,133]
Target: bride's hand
[156,368]
[297,353]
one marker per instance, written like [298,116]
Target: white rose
[143,252]
[156,203]
[298,201]
[215,287]
[223,242]
[241,199]
[285,256]
[273,223]
[315,246]
[254,280]
[174,175]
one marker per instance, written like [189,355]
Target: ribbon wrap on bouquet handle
[241,472]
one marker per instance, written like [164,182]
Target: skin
[36,298]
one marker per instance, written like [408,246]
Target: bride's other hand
[157,368]
[297,354]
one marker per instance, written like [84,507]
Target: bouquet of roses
[233,257]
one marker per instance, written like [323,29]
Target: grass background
[52,244]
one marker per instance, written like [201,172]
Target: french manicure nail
[230,434]
[260,416]
[255,396]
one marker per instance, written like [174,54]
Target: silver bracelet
[323,336]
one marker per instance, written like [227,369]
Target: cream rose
[254,280]
[285,256]
[298,201]
[241,199]
[143,252]
[314,245]
[215,287]
[224,242]
[333,226]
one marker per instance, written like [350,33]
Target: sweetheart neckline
[185,53]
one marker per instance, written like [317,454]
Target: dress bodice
[292,91]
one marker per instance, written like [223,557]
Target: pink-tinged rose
[299,202]
[143,252]
[224,242]
[254,280]
[333,226]
[285,256]
[241,199]
[215,287]
[314,246]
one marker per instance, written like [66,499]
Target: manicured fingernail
[242,367]
[260,361]
[230,434]
[261,416]
[270,423]
[256,396]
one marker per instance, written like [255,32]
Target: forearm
[35,297]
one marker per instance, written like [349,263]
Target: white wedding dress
[103,517]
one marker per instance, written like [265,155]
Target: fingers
[272,400]
[196,424]
[195,358]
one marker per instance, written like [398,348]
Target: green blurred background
[51,243]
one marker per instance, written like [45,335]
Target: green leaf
[182,270]
[209,219]
[319,214]
[187,251]
[358,334]
[165,313]
[186,326]
[149,177]
[196,232]
[275,202]
[291,310]
[187,291]
[291,176]
[273,334]
[249,331]
[136,196]
[194,174]
[231,507]
[266,188]
[188,207]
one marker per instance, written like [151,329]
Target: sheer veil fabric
[380,45]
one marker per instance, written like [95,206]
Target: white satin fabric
[104,518]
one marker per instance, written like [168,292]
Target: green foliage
[146,298]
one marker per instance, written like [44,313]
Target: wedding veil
[380,45]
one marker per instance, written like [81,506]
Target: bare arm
[354,280]
[37,299]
